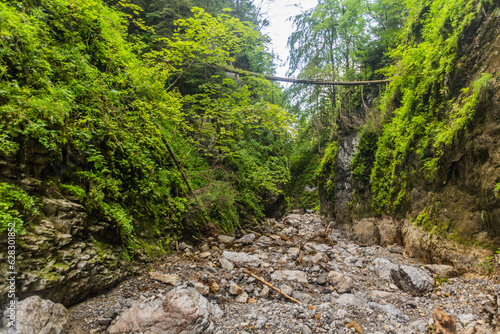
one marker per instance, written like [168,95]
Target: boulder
[243,259]
[246,239]
[289,275]
[36,315]
[182,310]
[366,232]
[340,282]
[413,280]
[383,268]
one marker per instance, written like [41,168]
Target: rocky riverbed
[295,275]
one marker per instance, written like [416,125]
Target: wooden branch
[269,285]
[305,81]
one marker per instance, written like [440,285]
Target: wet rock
[36,315]
[165,278]
[290,275]
[413,280]
[340,282]
[246,239]
[182,310]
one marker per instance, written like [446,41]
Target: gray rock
[181,310]
[246,239]
[289,275]
[263,240]
[304,329]
[302,297]
[235,289]
[265,292]
[226,264]
[294,252]
[321,280]
[310,246]
[466,318]
[347,299]
[286,289]
[242,298]
[441,270]
[383,268]
[413,280]
[340,282]
[36,315]
[243,259]
[225,239]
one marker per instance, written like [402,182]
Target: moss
[326,172]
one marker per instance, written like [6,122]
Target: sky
[280,28]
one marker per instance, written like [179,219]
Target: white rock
[243,259]
[36,315]
[289,275]
[181,310]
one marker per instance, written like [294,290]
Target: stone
[321,280]
[286,289]
[204,255]
[181,310]
[413,280]
[263,240]
[104,321]
[205,247]
[225,239]
[310,246]
[340,282]
[441,270]
[164,277]
[36,315]
[289,275]
[243,259]
[226,264]
[383,268]
[466,318]
[304,329]
[202,288]
[242,298]
[366,232]
[246,239]
[294,252]
[444,323]
[302,297]
[390,232]
[235,289]
[319,257]
[265,292]
[347,299]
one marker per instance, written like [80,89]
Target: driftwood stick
[269,285]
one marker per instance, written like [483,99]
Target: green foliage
[430,117]
[106,107]
[326,170]
[15,205]
[497,190]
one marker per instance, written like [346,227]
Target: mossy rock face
[61,260]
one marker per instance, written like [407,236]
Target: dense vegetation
[140,125]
